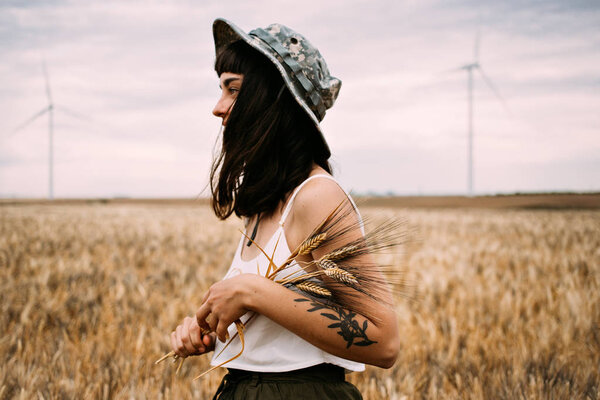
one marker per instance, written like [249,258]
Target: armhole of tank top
[288,206]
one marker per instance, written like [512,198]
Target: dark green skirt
[324,381]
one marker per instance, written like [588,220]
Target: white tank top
[269,347]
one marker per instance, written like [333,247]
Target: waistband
[320,372]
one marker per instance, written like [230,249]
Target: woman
[273,171]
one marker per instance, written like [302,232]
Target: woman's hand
[226,301]
[187,339]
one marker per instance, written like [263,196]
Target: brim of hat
[225,33]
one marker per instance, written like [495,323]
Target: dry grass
[541,201]
[508,302]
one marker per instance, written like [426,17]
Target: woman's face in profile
[230,85]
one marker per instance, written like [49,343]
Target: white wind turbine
[474,65]
[50,110]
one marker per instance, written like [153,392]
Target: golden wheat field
[503,304]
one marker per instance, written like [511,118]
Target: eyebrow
[229,80]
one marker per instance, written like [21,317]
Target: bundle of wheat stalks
[338,278]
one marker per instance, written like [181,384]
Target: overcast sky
[134,87]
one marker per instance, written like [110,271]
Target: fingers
[212,321]
[221,331]
[196,336]
[186,339]
[219,309]
[209,340]
[180,348]
[201,315]
[174,343]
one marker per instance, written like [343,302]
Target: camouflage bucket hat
[301,65]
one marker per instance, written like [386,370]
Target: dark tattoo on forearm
[349,328]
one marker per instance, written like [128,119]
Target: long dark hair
[269,144]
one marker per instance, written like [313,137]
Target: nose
[221,108]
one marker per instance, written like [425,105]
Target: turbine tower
[470,67]
[50,110]
[50,135]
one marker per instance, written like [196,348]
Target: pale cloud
[142,72]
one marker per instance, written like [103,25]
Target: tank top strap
[288,206]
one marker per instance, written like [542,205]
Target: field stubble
[505,304]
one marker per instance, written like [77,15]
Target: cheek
[229,104]
[226,102]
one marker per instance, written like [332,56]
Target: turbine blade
[31,119]
[48,92]
[488,81]
[74,114]
[452,70]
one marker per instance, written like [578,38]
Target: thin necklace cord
[254,231]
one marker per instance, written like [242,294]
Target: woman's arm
[334,330]
[373,340]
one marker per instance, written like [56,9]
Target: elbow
[390,347]
[389,353]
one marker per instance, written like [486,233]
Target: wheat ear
[344,252]
[306,247]
[313,288]
[341,275]
[305,244]
[312,244]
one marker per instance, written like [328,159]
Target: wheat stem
[287,280]
[163,358]
[315,233]
[179,366]
[240,330]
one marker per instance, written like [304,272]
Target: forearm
[332,329]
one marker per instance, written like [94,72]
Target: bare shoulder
[317,199]
[313,203]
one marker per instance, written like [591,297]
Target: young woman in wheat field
[273,172]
